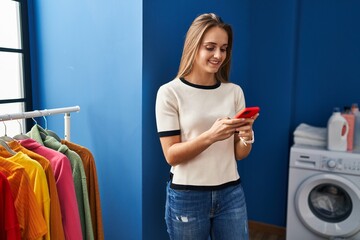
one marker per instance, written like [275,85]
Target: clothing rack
[44,113]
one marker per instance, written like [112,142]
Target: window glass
[15,82]
[10,36]
[11,75]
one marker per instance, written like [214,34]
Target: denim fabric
[203,215]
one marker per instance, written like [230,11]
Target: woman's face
[212,51]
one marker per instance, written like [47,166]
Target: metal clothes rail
[44,113]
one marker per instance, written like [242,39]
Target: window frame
[26,57]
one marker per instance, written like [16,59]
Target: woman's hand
[224,128]
[245,132]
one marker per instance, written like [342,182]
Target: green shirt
[41,136]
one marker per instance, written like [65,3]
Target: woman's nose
[217,53]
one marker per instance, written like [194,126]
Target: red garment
[9,225]
[31,221]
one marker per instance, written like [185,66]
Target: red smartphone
[247,112]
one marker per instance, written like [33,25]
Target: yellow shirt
[39,184]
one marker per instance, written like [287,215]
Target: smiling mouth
[212,62]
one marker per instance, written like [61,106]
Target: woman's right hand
[224,128]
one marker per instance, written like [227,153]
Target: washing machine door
[329,205]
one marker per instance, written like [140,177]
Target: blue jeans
[198,215]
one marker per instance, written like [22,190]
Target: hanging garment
[9,225]
[65,187]
[56,226]
[38,182]
[31,221]
[41,136]
[92,186]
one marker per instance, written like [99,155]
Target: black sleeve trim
[169,133]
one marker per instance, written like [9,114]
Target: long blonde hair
[193,40]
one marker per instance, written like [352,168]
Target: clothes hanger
[4,144]
[45,120]
[41,130]
[49,132]
[20,136]
[6,138]
[42,135]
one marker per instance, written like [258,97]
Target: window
[15,82]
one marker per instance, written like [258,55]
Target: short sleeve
[239,99]
[167,112]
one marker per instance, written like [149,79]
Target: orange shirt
[31,221]
[56,226]
[92,186]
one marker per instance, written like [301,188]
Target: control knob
[331,163]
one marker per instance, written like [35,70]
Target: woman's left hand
[246,130]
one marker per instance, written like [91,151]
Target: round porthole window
[330,203]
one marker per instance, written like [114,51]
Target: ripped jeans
[203,215]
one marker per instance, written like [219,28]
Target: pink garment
[65,187]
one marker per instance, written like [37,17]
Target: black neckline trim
[217,84]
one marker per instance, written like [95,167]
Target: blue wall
[328,59]
[295,59]
[89,53]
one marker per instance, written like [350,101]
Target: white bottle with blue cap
[338,129]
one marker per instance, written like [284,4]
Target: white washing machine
[323,194]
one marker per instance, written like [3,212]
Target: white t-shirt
[186,109]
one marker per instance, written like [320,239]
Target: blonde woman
[201,140]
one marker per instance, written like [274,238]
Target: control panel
[343,165]
[326,161]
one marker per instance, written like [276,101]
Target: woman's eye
[211,48]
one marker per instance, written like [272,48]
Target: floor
[261,231]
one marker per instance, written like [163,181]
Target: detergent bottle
[338,129]
[356,112]
[350,118]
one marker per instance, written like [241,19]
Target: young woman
[201,140]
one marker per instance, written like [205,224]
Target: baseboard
[266,228]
